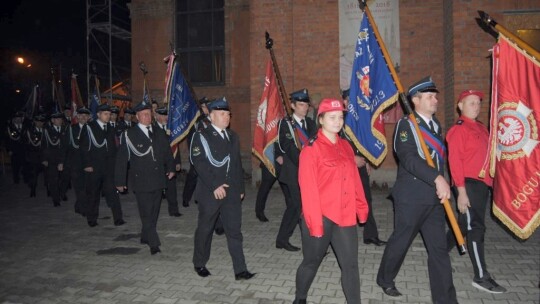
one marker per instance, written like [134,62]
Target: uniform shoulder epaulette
[312,140]
[459,122]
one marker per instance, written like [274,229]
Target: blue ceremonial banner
[183,109]
[372,90]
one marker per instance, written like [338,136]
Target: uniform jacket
[217,162]
[156,126]
[53,152]
[98,148]
[71,143]
[288,173]
[415,181]
[121,126]
[34,145]
[149,160]
[468,142]
[15,142]
[330,185]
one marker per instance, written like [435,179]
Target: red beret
[470,92]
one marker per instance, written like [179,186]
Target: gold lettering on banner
[526,190]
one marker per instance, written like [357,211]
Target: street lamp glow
[20,60]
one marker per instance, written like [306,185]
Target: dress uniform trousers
[171,193]
[149,203]
[190,184]
[230,211]
[429,220]
[291,215]
[97,181]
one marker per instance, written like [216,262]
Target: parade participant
[418,194]
[66,118]
[98,148]
[126,122]
[33,152]
[150,161]
[15,145]
[468,142]
[53,157]
[73,159]
[333,201]
[191,179]
[170,191]
[371,233]
[215,154]
[113,122]
[300,127]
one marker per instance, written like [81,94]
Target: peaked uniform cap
[426,84]
[104,107]
[300,95]
[218,104]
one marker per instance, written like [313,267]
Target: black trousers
[430,221]
[76,178]
[230,211]
[473,225]
[97,182]
[17,163]
[34,169]
[171,193]
[267,181]
[344,241]
[190,184]
[53,181]
[291,216]
[149,204]
[370,227]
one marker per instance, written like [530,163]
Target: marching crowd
[322,174]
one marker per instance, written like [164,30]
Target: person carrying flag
[418,195]
[293,128]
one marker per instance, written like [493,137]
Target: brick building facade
[438,38]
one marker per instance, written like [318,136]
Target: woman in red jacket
[333,201]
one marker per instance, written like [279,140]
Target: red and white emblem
[517,132]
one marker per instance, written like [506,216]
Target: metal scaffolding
[108,44]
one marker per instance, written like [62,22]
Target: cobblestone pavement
[50,255]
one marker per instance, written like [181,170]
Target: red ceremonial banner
[515,147]
[269,113]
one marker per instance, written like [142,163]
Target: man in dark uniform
[125,123]
[150,164]
[113,122]
[215,154]
[418,194]
[295,128]
[371,233]
[33,152]
[98,148]
[73,159]
[53,157]
[191,179]
[15,145]
[66,118]
[171,193]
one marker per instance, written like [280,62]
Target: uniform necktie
[150,134]
[431,126]
[224,135]
[57,129]
[105,128]
[303,121]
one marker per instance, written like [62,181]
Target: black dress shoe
[375,242]
[56,204]
[296,301]
[392,291]
[176,214]
[92,223]
[32,192]
[220,231]
[119,222]
[202,271]
[64,198]
[288,247]
[185,203]
[262,218]
[154,250]
[244,275]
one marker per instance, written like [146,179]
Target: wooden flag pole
[447,207]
